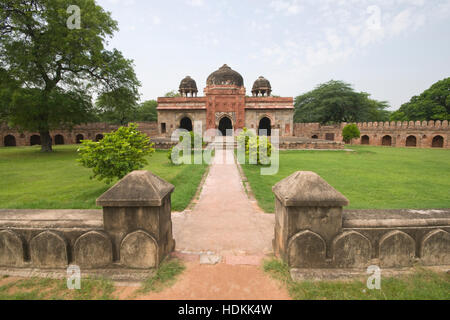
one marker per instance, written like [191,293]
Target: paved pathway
[224,221]
[236,233]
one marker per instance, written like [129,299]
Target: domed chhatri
[188,86]
[261,86]
[225,76]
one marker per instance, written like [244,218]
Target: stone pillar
[137,216]
[308,215]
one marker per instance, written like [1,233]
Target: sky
[392,49]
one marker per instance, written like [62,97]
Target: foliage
[172,94]
[335,102]
[146,111]
[350,131]
[191,139]
[253,146]
[56,69]
[117,106]
[117,154]
[432,104]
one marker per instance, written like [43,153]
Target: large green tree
[146,111]
[336,101]
[55,66]
[432,104]
[118,106]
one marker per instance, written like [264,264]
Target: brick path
[227,228]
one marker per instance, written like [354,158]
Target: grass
[370,177]
[50,289]
[422,284]
[164,277]
[30,179]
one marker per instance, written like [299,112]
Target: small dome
[261,86]
[188,86]
[225,76]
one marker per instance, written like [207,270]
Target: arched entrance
[186,124]
[387,141]
[9,141]
[265,125]
[59,139]
[438,142]
[35,140]
[411,141]
[314,137]
[224,125]
[78,138]
[365,140]
[98,137]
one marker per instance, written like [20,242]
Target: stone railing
[312,231]
[134,232]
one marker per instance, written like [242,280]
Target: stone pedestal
[137,216]
[308,217]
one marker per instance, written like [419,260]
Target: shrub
[350,131]
[117,154]
[253,144]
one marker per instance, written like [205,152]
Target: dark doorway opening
[411,141]
[365,140]
[386,141]
[265,125]
[78,138]
[438,142]
[35,140]
[9,141]
[329,136]
[314,137]
[224,125]
[186,124]
[59,139]
[98,137]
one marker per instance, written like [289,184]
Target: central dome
[225,76]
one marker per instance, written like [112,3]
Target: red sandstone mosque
[226,106]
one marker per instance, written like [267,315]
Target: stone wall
[134,231]
[426,134]
[91,131]
[313,232]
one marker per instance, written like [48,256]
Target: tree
[432,104]
[118,106]
[172,94]
[56,69]
[335,102]
[350,131]
[147,111]
[117,154]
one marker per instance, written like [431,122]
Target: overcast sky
[392,49]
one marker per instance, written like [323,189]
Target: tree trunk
[46,141]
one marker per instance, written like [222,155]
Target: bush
[252,146]
[193,138]
[351,131]
[117,154]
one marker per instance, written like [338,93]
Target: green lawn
[370,177]
[422,284]
[30,179]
